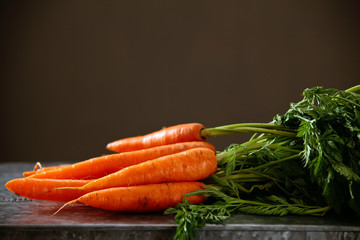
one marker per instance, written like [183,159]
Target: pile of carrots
[145,173]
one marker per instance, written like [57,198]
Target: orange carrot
[43,189]
[29,173]
[104,165]
[143,198]
[190,165]
[178,133]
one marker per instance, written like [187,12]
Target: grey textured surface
[21,218]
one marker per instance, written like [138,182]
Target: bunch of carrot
[146,173]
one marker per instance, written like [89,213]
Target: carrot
[43,189]
[178,133]
[143,198]
[43,169]
[29,173]
[104,165]
[190,165]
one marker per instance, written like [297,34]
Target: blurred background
[75,75]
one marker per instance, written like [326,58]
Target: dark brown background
[78,74]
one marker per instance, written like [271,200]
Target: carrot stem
[268,164]
[318,211]
[353,89]
[248,128]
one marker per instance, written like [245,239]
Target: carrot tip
[37,166]
[70,202]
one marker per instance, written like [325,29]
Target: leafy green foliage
[305,162]
[191,216]
[329,125]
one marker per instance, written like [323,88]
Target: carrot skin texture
[143,198]
[190,165]
[174,134]
[104,165]
[43,189]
